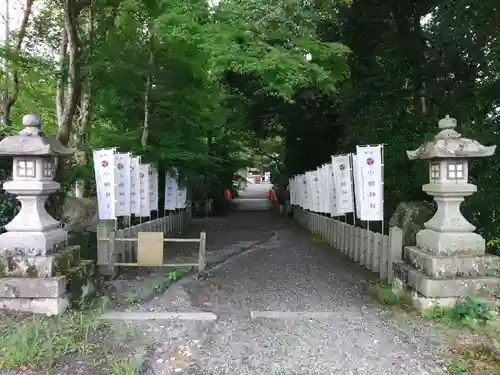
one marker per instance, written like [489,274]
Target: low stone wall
[375,251]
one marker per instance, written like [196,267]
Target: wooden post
[395,249]
[104,228]
[112,254]
[201,255]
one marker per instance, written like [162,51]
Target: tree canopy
[203,86]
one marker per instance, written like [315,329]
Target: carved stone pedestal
[45,284]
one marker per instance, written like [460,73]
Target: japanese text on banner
[357,185]
[122,184]
[144,190]
[135,188]
[369,159]
[170,192]
[153,189]
[104,161]
[343,183]
[332,192]
[181,197]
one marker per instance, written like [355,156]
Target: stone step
[483,286]
[40,266]
[442,267]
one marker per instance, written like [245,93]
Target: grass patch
[40,342]
[317,239]
[170,277]
[475,343]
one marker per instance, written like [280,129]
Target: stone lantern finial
[32,126]
[447,123]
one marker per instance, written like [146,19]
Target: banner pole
[382,172]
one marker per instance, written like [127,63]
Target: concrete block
[441,267]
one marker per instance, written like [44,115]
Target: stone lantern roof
[450,144]
[31,141]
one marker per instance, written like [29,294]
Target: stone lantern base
[45,284]
[445,279]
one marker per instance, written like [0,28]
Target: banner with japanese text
[357,185]
[343,184]
[369,164]
[122,184]
[170,191]
[104,161]
[135,188]
[181,197]
[145,211]
[332,192]
[153,189]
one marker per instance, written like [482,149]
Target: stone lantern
[33,231]
[39,273]
[448,261]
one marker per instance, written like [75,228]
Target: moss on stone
[65,259]
[78,278]
[31,271]
[2,269]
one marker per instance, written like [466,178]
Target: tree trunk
[147,90]
[66,111]
[10,95]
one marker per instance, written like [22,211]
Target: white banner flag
[357,185]
[153,189]
[122,184]
[135,187]
[369,161]
[144,190]
[170,192]
[181,197]
[332,193]
[104,161]
[343,184]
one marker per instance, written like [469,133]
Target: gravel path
[340,332]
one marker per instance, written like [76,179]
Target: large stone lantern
[39,273]
[33,231]
[448,261]
[448,232]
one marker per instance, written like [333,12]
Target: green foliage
[386,296]
[470,313]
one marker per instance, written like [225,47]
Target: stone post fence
[372,250]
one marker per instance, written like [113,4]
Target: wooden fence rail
[121,247]
[372,250]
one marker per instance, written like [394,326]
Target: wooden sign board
[150,249]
